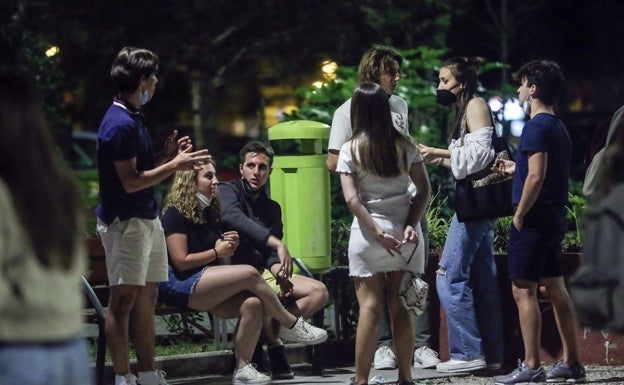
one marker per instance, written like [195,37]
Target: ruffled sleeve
[345,160]
[474,155]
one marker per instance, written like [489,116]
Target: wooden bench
[97,290]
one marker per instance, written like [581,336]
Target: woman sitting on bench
[200,277]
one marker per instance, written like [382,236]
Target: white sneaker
[249,375]
[425,357]
[126,379]
[154,377]
[457,366]
[384,358]
[303,333]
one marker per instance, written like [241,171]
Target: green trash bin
[300,184]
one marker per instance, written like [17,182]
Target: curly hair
[183,197]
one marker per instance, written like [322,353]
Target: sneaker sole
[522,383]
[309,342]
[430,365]
[384,367]
[467,368]
[566,380]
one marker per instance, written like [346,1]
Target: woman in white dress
[377,165]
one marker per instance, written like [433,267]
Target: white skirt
[367,257]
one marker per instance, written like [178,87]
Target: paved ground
[330,376]
[605,375]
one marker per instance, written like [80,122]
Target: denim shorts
[176,292]
[534,252]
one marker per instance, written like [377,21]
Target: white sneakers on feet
[384,358]
[425,358]
[249,375]
[126,379]
[457,366]
[303,333]
[154,377]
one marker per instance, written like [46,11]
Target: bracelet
[216,254]
[382,234]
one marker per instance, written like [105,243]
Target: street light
[54,50]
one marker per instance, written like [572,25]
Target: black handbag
[485,194]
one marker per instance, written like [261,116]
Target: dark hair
[547,77]
[130,66]
[381,147]
[46,197]
[465,70]
[257,147]
[376,61]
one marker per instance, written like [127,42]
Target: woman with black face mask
[466,280]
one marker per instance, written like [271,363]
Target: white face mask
[144,98]
[203,200]
[526,106]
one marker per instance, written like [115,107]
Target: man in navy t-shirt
[131,233]
[540,193]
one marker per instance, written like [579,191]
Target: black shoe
[260,359]
[280,368]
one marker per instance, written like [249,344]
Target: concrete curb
[221,362]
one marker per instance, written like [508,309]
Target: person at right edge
[467,281]
[540,193]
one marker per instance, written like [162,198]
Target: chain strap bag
[413,290]
[485,194]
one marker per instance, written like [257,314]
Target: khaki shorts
[270,279]
[136,251]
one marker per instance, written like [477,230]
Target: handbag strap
[498,142]
[464,125]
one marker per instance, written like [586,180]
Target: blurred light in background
[54,50]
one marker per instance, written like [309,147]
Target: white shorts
[136,251]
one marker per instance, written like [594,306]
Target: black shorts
[534,252]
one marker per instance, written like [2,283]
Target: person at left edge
[128,224]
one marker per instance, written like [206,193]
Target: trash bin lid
[299,129]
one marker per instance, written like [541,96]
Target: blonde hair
[183,197]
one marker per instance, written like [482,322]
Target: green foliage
[26,51]
[437,223]
[89,188]
[340,231]
[501,234]
[573,240]
[179,326]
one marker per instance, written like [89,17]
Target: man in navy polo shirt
[540,193]
[131,233]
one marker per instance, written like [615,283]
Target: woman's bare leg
[369,292]
[401,323]
[249,311]
[219,283]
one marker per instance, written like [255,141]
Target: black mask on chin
[445,97]
[250,190]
